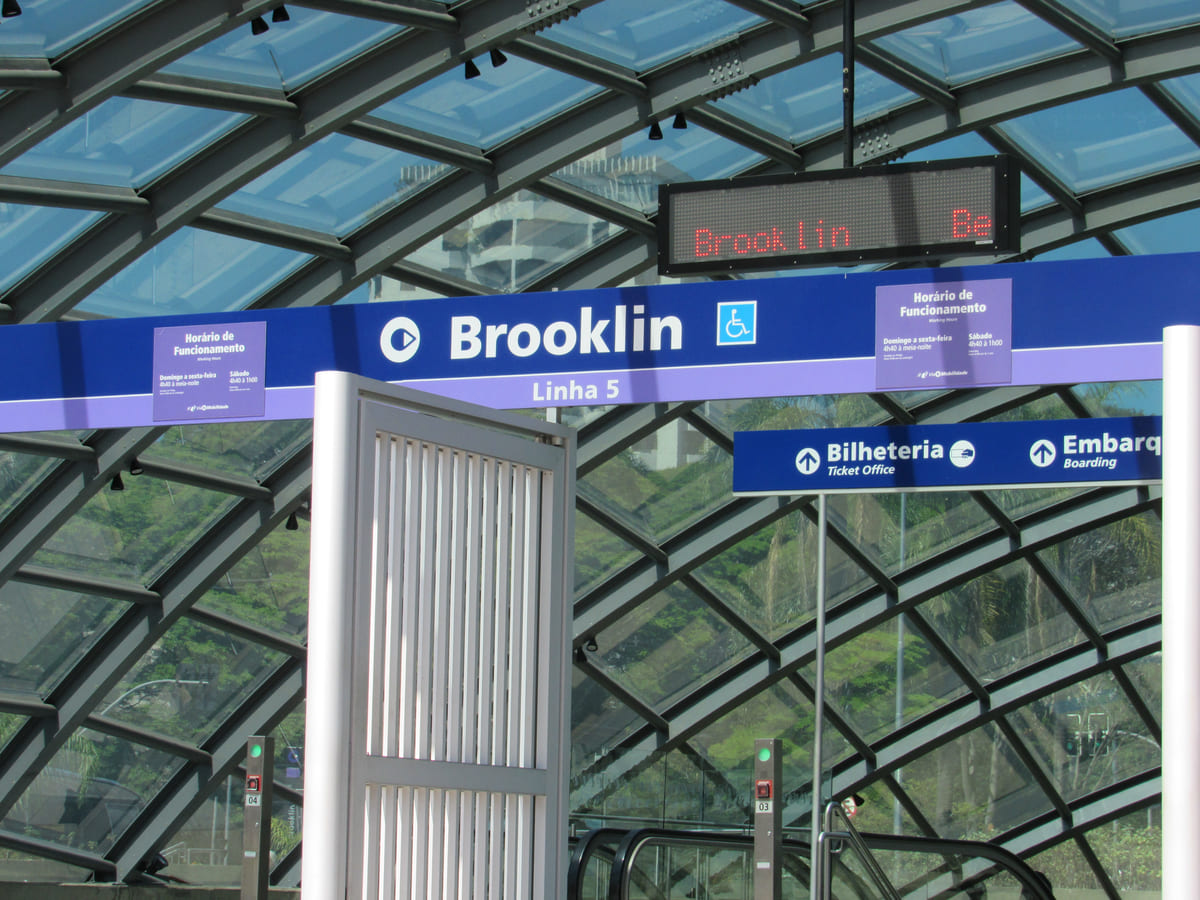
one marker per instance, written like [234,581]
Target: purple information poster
[945,334]
[210,371]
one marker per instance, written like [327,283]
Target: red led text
[964,225]
[816,237]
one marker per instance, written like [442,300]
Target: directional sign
[949,457]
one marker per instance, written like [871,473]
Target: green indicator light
[764,754]
[255,751]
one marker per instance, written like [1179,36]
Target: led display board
[897,212]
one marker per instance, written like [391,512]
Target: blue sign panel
[1017,323]
[949,457]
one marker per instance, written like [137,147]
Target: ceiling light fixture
[258,25]
[498,57]
[11,8]
[470,69]
[117,483]
[293,523]
[655,131]
[135,467]
[680,121]
[280,15]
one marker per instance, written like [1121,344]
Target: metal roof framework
[737,70]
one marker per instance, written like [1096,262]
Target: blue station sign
[1061,322]
[971,456]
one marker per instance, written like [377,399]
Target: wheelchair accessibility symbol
[736,322]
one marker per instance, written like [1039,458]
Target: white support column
[1181,607]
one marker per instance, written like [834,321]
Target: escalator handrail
[1024,873]
[636,838]
[833,812]
[633,839]
[585,848]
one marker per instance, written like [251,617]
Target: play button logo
[400,339]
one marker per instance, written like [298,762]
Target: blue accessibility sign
[968,456]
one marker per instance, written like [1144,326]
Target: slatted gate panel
[458,654]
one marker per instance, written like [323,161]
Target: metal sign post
[768,819]
[256,817]
[818,706]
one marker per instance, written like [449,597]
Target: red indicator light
[762,790]
[254,783]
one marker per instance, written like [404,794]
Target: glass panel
[207,848]
[189,682]
[861,677]
[194,271]
[133,534]
[782,711]
[806,101]
[268,587]
[287,56]
[10,723]
[1087,737]
[1130,849]
[232,448]
[124,142]
[32,234]
[515,242]
[1100,141]
[599,722]
[769,579]
[634,34]
[386,288]
[775,413]
[1086,249]
[1001,621]
[598,552]
[1069,872]
[1186,90]
[935,523]
[1168,234]
[1122,398]
[483,111]
[663,483]
[667,645]
[91,791]
[1114,572]
[977,43]
[48,28]
[974,786]
[46,632]
[334,185]
[1146,675]
[20,476]
[1125,17]
[664,789]
[629,171]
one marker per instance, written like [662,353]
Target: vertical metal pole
[818,705]
[848,83]
[256,817]
[897,824]
[768,819]
[1181,612]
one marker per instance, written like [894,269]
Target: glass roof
[221,169]
[501,102]
[977,43]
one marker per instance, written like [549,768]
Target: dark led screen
[885,212]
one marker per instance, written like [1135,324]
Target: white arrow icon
[807,461]
[1042,453]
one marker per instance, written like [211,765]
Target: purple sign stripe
[1062,365]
